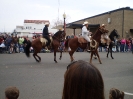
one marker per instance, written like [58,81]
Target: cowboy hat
[61,29]
[103,25]
[86,23]
[47,23]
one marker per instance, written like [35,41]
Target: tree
[56,22]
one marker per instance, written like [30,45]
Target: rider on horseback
[46,34]
[86,33]
[105,36]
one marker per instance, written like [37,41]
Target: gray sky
[14,12]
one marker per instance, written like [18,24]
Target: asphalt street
[45,80]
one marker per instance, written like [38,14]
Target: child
[11,93]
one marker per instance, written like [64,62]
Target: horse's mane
[95,32]
[57,33]
[112,34]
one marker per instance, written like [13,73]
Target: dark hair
[116,94]
[12,93]
[83,81]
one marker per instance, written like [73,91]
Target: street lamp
[64,16]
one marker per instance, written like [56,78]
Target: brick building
[120,19]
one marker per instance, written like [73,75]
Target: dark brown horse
[38,45]
[74,44]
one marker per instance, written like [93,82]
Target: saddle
[103,41]
[82,40]
[44,40]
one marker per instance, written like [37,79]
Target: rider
[46,34]
[105,36]
[86,33]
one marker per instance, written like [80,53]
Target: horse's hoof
[55,61]
[37,61]
[72,60]
[100,62]
[112,58]
[95,57]
[59,58]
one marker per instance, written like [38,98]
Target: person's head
[116,94]
[83,80]
[11,93]
[86,24]
[47,24]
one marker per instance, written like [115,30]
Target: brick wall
[117,22]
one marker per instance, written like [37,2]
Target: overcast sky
[14,12]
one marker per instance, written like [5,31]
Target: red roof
[36,21]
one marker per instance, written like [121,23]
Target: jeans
[49,41]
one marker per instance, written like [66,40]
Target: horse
[74,43]
[111,43]
[37,45]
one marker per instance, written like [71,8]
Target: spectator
[132,45]
[11,93]
[68,37]
[1,39]
[8,43]
[2,47]
[123,42]
[127,45]
[83,80]
[33,38]
[21,40]
[117,42]
[116,94]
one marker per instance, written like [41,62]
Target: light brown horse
[74,44]
[38,45]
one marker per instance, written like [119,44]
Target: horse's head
[60,35]
[63,34]
[103,30]
[113,34]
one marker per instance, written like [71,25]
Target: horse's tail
[27,49]
[66,44]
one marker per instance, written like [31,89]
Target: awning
[35,33]
[79,26]
[131,30]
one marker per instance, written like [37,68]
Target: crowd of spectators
[121,45]
[9,44]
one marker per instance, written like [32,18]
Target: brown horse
[74,44]
[113,34]
[38,45]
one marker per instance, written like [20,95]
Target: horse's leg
[91,56]
[108,52]
[35,54]
[111,51]
[98,56]
[71,54]
[95,57]
[55,50]
[60,54]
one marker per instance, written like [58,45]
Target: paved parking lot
[45,80]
